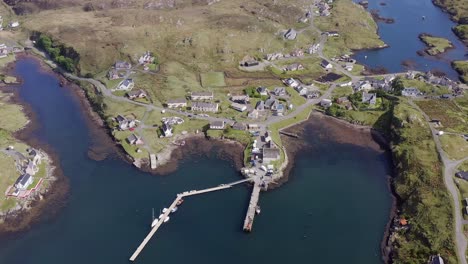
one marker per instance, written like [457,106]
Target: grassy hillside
[462,68]
[458,10]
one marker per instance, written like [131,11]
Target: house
[349,66]
[136,94]
[260,106]
[271,103]
[239,107]
[278,109]
[14,24]
[313,48]
[369,98]
[436,260]
[3,51]
[342,100]
[167,130]
[202,96]
[326,103]
[205,107]
[301,90]
[253,127]
[250,63]
[279,91]
[23,181]
[462,175]
[177,103]
[217,125]
[146,58]
[331,33]
[410,91]
[326,65]
[113,75]
[312,94]
[134,140]
[122,65]
[270,154]
[253,114]
[262,91]
[239,126]
[126,85]
[291,82]
[242,99]
[274,56]
[290,34]
[125,123]
[297,53]
[362,85]
[294,67]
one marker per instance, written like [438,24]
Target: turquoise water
[333,209]
[402,37]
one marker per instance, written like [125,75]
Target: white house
[177,103]
[326,65]
[14,24]
[126,85]
[239,107]
[326,103]
[291,82]
[167,130]
[23,182]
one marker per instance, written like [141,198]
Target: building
[242,99]
[342,100]
[113,74]
[274,56]
[197,96]
[270,153]
[326,65]
[217,125]
[166,130]
[362,85]
[133,140]
[291,82]
[462,175]
[297,53]
[369,98]
[301,90]
[3,51]
[239,126]
[122,65]
[294,67]
[253,114]
[278,109]
[14,24]
[290,34]
[239,107]
[250,63]
[411,91]
[136,94]
[126,85]
[260,106]
[125,123]
[331,33]
[177,103]
[436,260]
[279,91]
[271,103]
[312,94]
[326,103]
[23,181]
[205,107]
[262,91]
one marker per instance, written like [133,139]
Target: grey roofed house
[370,98]
[325,64]
[294,67]
[262,90]
[279,91]
[239,126]
[240,99]
[271,103]
[120,118]
[24,181]
[219,125]
[271,154]
[204,107]
[167,129]
[462,175]
[260,106]
[411,91]
[136,94]
[178,102]
[132,139]
[436,260]
[291,34]
[122,65]
[201,95]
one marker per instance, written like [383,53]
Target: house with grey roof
[122,65]
[133,140]
[369,98]
[23,182]
[241,99]
[270,153]
[126,85]
[290,34]
[198,96]
[411,92]
[205,107]
[137,94]
[217,125]
[177,103]
[279,91]
[462,175]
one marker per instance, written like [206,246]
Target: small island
[435,45]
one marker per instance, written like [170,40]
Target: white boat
[164,210]
[155,220]
[166,219]
[160,216]
[174,209]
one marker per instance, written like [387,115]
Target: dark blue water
[333,209]
[402,37]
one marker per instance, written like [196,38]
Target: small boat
[160,216]
[258,210]
[174,209]
[423,17]
[166,219]
[164,210]
[180,201]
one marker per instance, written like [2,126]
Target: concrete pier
[174,204]
[249,218]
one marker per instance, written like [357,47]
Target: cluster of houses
[28,168]
[432,79]
[374,84]
[346,61]
[324,8]
[296,53]
[119,70]
[201,102]
[301,89]
[146,59]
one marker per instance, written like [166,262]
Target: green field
[212,79]
[452,117]
[436,45]
[426,88]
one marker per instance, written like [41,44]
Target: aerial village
[252,113]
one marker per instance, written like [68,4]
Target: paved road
[449,171]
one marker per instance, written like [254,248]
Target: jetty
[177,200]
[289,134]
[253,204]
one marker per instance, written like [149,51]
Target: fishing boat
[160,216]
[155,220]
[180,201]
[166,219]
[164,210]
[174,209]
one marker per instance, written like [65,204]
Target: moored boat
[166,219]
[258,210]
[155,221]
[174,209]
[164,210]
[160,216]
